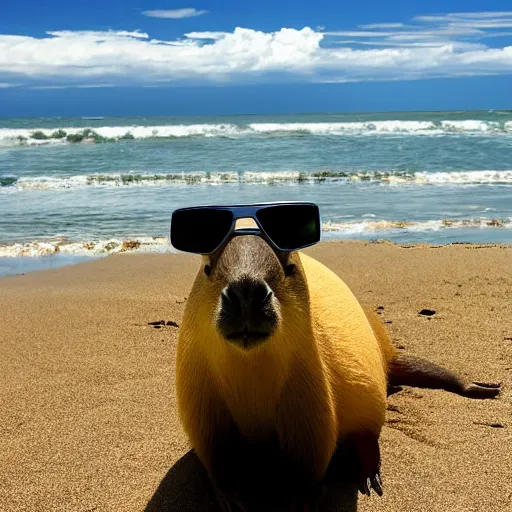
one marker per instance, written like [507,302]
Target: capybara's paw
[367,451]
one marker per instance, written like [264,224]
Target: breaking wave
[134,179]
[358,227]
[85,248]
[330,229]
[38,136]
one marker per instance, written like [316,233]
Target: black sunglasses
[287,226]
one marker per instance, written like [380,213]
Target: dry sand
[87,401]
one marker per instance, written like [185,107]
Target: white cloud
[94,35]
[465,15]
[74,86]
[382,25]
[4,85]
[400,52]
[433,34]
[357,33]
[188,12]
[206,35]
[435,43]
[486,14]
[452,28]
[481,20]
[496,34]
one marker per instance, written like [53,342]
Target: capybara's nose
[247,314]
[246,298]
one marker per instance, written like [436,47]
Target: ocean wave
[134,179]
[376,226]
[162,244]
[85,248]
[63,135]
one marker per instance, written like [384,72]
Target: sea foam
[135,179]
[85,248]
[64,135]
[386,226]
[330,229]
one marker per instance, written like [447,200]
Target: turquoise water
[408,177]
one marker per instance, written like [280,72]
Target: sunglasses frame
[248,211]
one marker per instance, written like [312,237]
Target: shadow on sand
[186,488]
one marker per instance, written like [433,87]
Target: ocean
[75,188]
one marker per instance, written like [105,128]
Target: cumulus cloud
[188,12]
[379,51]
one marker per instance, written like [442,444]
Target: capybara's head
[250,282]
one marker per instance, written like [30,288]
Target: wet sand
[87,404]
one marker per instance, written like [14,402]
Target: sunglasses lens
[291,226]
[199,230]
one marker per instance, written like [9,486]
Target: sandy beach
[87,403]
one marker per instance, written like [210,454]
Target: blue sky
[223,57]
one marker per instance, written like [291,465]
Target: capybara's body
[318,378]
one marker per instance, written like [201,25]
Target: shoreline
[21,265]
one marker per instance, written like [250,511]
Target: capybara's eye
[207,270]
